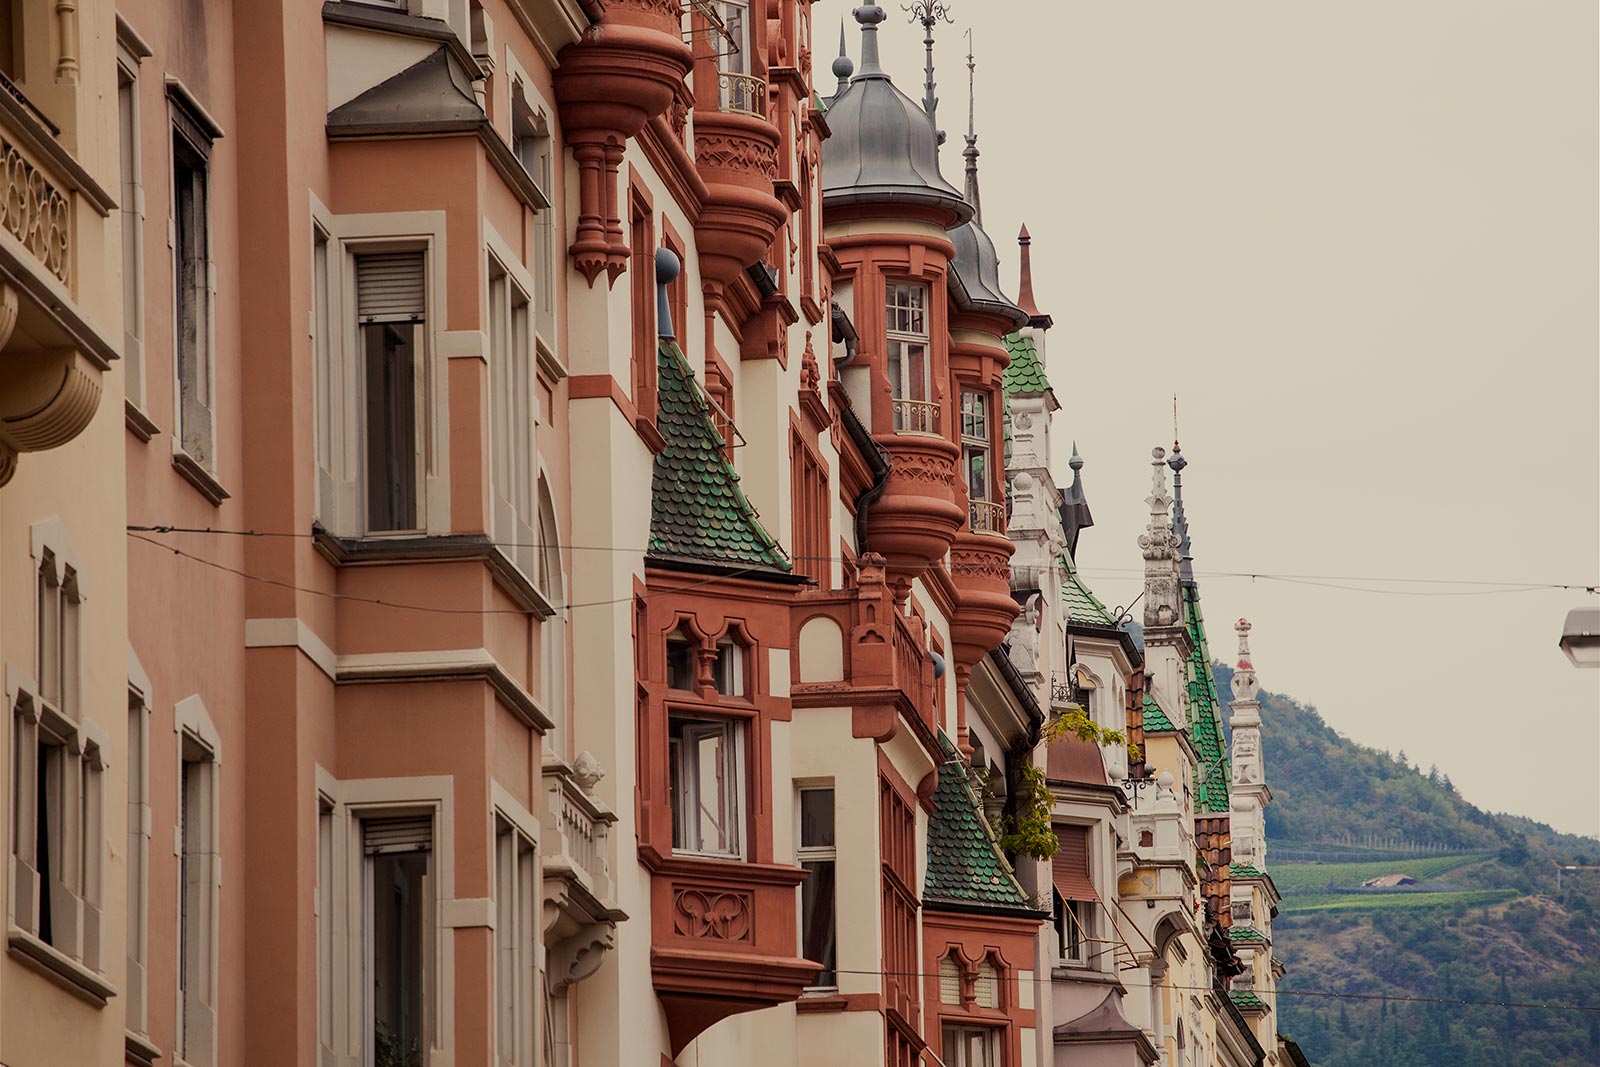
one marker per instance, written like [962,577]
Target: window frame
[132,209]
[683,787]
[518,941]
[807,856]
[976,424]
[197,939]
[514,478]
[901,335]
[192,134]
[137,902]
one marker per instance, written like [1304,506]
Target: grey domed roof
[883,148]
[975,275]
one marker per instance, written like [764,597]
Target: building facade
[578,579]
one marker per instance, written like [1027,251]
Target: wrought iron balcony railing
[916,416]
[986,517]
[741,93]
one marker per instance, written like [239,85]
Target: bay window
[706,759]
[817,854]
[908,352]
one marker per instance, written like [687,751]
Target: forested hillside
[1486,921]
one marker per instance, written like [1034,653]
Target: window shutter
[1071,864]
[409,833]
[987,988]
[390,287]
[949,982]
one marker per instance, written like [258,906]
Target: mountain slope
[1487,921]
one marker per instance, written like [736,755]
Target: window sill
[140,424]
[59,968]
[139,1050]
[198,476]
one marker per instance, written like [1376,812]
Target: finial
[1159,545]
[970,153]
[1244,684]
[1180,520]
[929,12]
[1076,462]
[1025,286]
[843,66]
[868,16]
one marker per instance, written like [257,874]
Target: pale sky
[1359,240]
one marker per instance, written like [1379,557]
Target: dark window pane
[391,425]
[398,958]
[816,818]
[818,920]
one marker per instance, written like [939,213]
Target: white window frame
[197,847]
[977,443]
[907,326]
[137,904]
[353,800]
[513,416]
[518,941]
[194,446]
[728,669]
[551,581]
[132,209]
[990,1036]
[805,854]
[341,503]
[685,763]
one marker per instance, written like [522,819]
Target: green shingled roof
[1246,870]
[698,513]
[1025,374]
[1245,1000]
[1082,605]
[966,869]
[1205,712]
[1246,935]
[1154,717]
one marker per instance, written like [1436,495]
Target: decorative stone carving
[1159,543]
[586,771]
[36,212]
[732,151]
[715,915]
[577,956]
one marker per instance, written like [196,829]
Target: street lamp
[1580,637]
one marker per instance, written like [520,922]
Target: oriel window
[707,768]
[906,317]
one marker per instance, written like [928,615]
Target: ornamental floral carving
[36,212]
[922,467]
[979,564]
[712,915]
[730,151]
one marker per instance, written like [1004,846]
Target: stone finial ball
[667,265]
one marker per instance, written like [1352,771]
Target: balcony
[51,354]
[986,517]
[580,915]
[915,416]
[741,93]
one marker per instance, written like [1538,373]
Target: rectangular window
[971,1047]
[642,269]
[327,385]
[132,231]
[325,928]
[192,294]
[517,935]
[728,669]
[197,903]
[514,467]
[391,295]
[138,862]
[897,836]
[817,854]
[1075,895]
[810,520]
[707,767]
[737,87]
[984,516]
[397,872]
[906,316]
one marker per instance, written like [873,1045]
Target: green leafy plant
[1028,832]
[1075,723]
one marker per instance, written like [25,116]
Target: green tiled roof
[1154,717]
[1245,1000]
[1246,870]
[1025,374]
[1246,935]
[1205,712]
[1082,605]
[698,513]
[966,868]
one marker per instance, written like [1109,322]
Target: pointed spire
[1025,299]
[1159,544]
[970,153]
[929,12]
[1180,522]
[843,67]
[868,16]
[1075,512]
[1245,687]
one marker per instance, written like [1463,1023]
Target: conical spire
[1180,522]
[1075,512]
[868,16]
[1160,547]
[843,66]
[970,153]
[1025,286]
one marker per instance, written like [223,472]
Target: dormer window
[907,347]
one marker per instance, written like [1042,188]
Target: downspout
[877,462]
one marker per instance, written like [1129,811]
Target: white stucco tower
[1250,793]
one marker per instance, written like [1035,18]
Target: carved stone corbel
[578,955]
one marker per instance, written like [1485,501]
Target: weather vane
[928,13]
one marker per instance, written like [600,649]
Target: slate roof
[966,869]
[1082,605]
[1245,1000]
[1205,712]
[1246,935]
[1246,870]
[1154,717]
[1024,376]
[698,514]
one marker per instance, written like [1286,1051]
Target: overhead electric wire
[1320,580]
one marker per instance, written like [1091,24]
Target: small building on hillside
[1389,881]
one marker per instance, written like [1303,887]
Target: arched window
[552,631]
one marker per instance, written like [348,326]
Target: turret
[1250,793]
